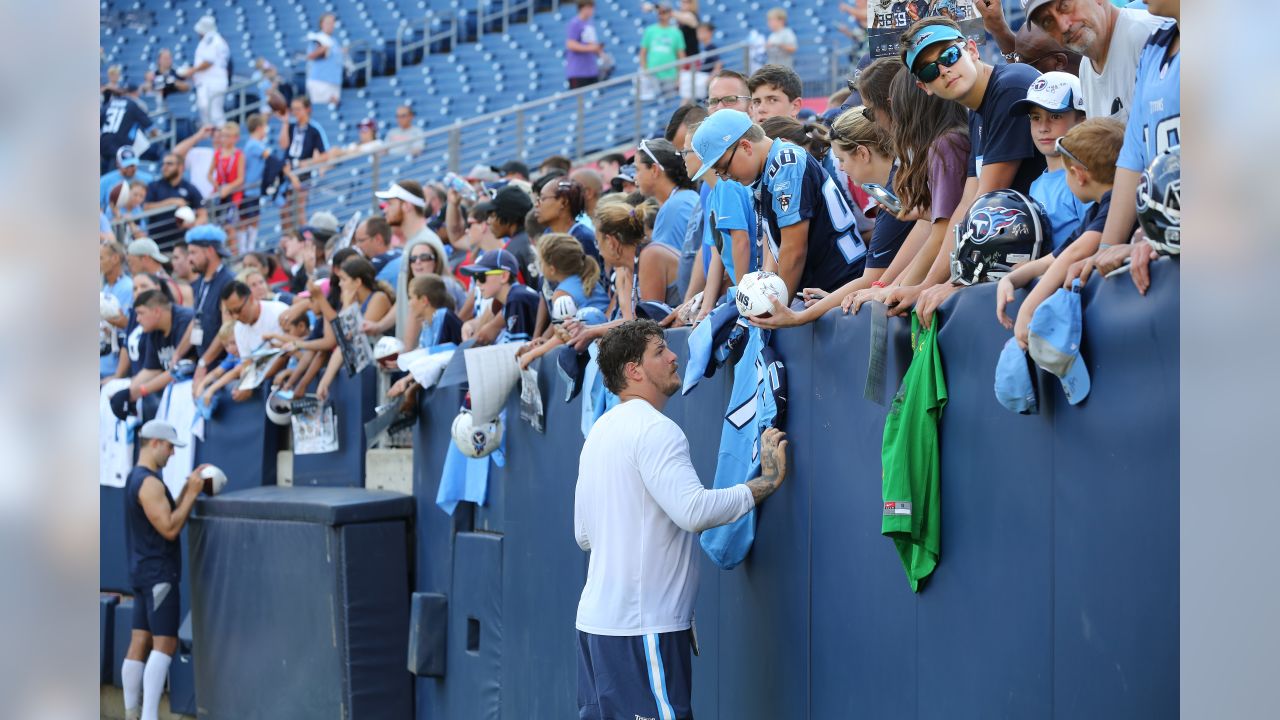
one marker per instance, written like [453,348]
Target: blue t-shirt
[113,178]
[1066,212]
[572,285]
[1155,118]
[387,265]
[995,136]
[255,162]
[795,188]
[158,354]
[328,68]
[152,559]
[672,223]
[229,363]
[729,209]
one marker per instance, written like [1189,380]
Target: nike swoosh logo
[881,254]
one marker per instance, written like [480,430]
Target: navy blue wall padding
[541,558]
[106,638]
[428,634]
[475,629]
[1116,515]
[122,632]
[984,621]
[182,685]
[113,563]
[353,403]
[324,608]
[242,441]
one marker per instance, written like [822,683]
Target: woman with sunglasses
[558,205]
[424,255]
[661,175]
[1002,152]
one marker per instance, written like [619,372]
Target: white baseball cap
[1054,91]
[396,192]
[160,430]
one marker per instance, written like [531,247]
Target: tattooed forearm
[773,465]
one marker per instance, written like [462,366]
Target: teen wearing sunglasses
[1002,153]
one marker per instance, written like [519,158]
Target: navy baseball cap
[1054,341]
[126,157]
[492,261]
[716,135]
[1014,387]
[926,36]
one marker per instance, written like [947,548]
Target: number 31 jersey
[794,188]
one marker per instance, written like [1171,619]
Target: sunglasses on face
[928,73]
[422,258]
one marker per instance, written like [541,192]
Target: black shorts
[155,609]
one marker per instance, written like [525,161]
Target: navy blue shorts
[634,677]
[155,609]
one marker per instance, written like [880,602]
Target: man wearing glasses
[729,207]
[1002,154]
[254,320]
[801,216]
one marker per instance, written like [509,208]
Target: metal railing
[615,113]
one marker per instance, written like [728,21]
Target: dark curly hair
[624,344]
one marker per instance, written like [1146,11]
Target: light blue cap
[1054,341]
[206,235]
[1014,387]
[929,35]
[716,135]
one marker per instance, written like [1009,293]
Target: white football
[756,291]
[216,479]
[476,441]
[108,307]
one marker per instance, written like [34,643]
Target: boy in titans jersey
[801,215]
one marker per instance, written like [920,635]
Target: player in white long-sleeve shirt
[637,509]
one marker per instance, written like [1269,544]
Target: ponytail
[623,221]
[564,252]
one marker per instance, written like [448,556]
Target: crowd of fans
[739,183]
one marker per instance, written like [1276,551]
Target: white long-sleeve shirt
[637,508]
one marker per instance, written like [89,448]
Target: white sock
[131,678]
[157,671]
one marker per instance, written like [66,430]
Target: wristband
[878,284]
[201,363]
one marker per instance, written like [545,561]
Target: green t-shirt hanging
[662,44]
[909,458]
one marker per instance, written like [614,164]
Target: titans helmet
[1003,228]
[1160,203]
[476,440]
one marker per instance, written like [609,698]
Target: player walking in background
[637,508]
[153,522]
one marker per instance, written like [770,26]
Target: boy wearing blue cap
[802,216]
[1002,154]
[1054,106]
[495,278]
